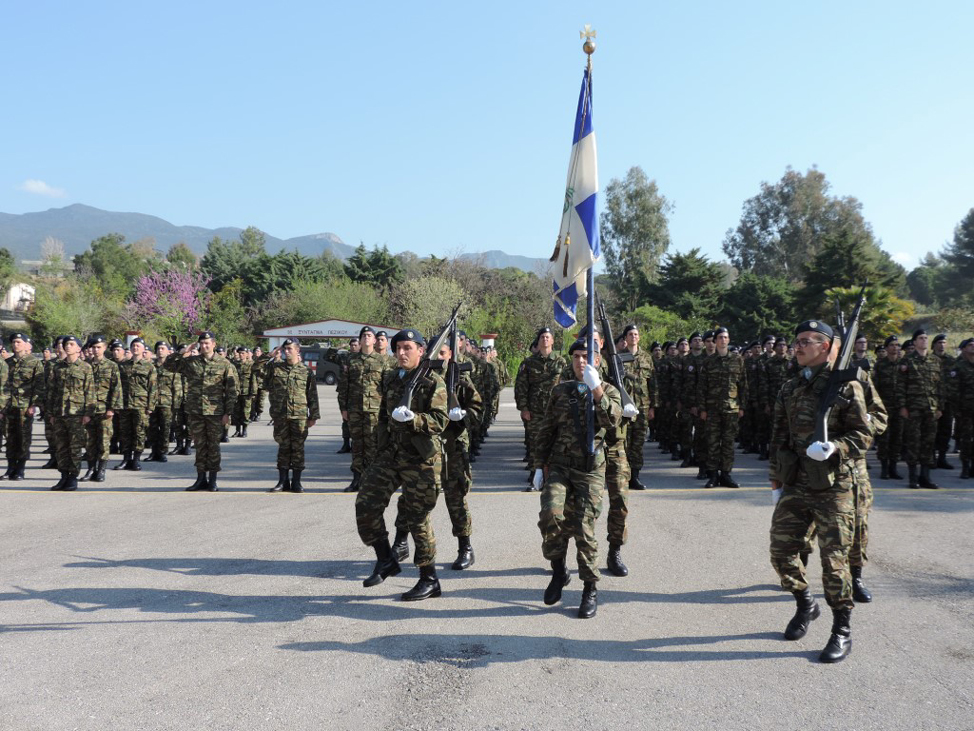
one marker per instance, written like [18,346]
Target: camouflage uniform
[245,394]
[410,455]
[642,387]
[945,424]
[139,394]
[294,402]
[919,390]
[71,397]
[23,390]
[960,391]
[536,378]
[822,494]
[890,443]
[160,421]
[665,431]
[257,389]
[721,393]
[107,396]
[48,424]
[211,392]
[571,500]
[360,394]
[689,395]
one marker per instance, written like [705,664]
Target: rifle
[454,369]
[616,361]
[431,360]
[841,372]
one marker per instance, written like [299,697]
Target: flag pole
[589,47]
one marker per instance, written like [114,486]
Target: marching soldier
[536,377]
[814,484]
[69,406]
[920,400]
[211,394]
[960,388]
[160,421]
[23,393]
[106,400]
[721,393]
[571,500]
[294,409]
[889,446]
[139,394]
[410,455]
[360,401]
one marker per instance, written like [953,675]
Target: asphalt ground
[134,605]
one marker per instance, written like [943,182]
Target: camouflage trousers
[257,406]
[132,429]
[420,480]
[19,428]
[49,435]
[457,481]
[919,436]
[206,432]
[571,502]
[635,440]
[617,474]
[99,437]
[864,502]
[965,434]
[159,423]
[533,429]
[700,440]
[890,443]
[69,442]
[684,424]
[945,429]
[361,425]
[180,424]
[664,424]
[833,514]
[241,411]
[721,429]
[290,435]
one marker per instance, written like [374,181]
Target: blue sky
[443,127]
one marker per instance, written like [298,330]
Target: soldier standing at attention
[721,393]
[161,418]
[107,399]
[360,400]
[69,406]
[257,405]
[571,500]
[945,424]
[211,394]
[22,394]
[353,347]
[294,409]
[641,385]
[813,483]
[241,413]
[537,376]
[920,401]
[960,389]
[410,455]
[697,448]
[57,355]
[382,348]
[890,442]
[139,394]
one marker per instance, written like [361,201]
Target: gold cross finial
[587,32]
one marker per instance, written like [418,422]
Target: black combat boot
[400,546]
[51,464]
[427,587]
[925,480]
[914,480]
[236,431]
[701,473]
[687,458]
[123,465]
[200,483]
[385,564]
[590,601]
[713,478]
[893,472]
[296,485]
[808,610]
[21,466]
[465,558]
[840,643]
[99,471]
[634,481]
[10,470]
[225,437]
[92,464]
[559,580]
[60,483]
[614,561]
[178,444]
[135,464]
[185,450]
[884,469]
[942,463]
[726,480]
[70,483]
[860,593]
[353,485]
[211,485]
[965,469]
[763,454]
[114,447]
[283,484]
[243,431]
[346,446]
[677,453]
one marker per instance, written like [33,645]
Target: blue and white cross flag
[578,240]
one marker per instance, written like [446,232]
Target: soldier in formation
[919,397]
[69,405]
[960,391]
[359,399]
[106,400]
[721,393]
[24,392]
[139,396]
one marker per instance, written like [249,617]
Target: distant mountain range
[76,226]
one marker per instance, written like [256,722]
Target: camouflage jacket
[775,375]
[793,429]
[562,439]
[535,379]
[140,388]
[960,385]
[691,373]
[420,438]
[244,381]
[468,399]
[72,390]
[292,389]
[754,368]
[107,385]
[641,382]
[721,383]
[167,384]
[25,384]
[919,383]
[885,375]
[360,384]
[878,413]
[210,386]
[4,372]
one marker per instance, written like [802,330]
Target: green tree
[661,325]
[786,224]
[959,255]
[690,285]
[426,303]
[924,281]
[227,317]
[883,314]
[8,269]
[65,307]
[115,265]
[757,305]
[181,256]
[377,267]
[312,301]
[635,234]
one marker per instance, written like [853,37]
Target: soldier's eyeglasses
[805,342]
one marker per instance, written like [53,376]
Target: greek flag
[577,249]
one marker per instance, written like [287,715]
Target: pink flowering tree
[173,302]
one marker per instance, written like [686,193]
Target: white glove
[591,377]
[820,451]
[630,411]
[538,479]
[775,495]
[456,414]
[402,414]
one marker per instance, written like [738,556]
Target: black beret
[654,345]
[136,340]
[721,331]
[472,342]
[364,330]
[860,336]
[682,340]
[918,333]
[815,326]
[753,344]
[668,344]
[205,335]
[965,343]
[116,343]
[381,334]
[578,345]
[696,335]
[162,342]
[908,343]
[938,338]
[733,349]
[353,339]
[709,335]
[219,349]
[768,339]
[542,331]
[583,333]
[241,349]
[891,339]
[70,339]
[879,347]
[289,341]
[99,338]
[408,334]
[18,336]
[780,341]
[629,328]
[461,334]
